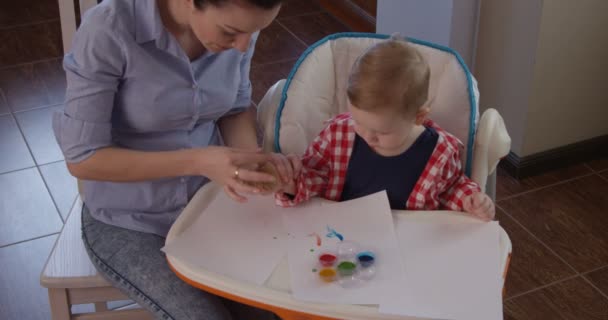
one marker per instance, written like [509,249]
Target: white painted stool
[72,279]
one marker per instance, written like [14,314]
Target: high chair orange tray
[275,294]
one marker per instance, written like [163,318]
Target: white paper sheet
[241,240]
[366,221]
[452,268]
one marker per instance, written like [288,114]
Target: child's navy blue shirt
[369,172]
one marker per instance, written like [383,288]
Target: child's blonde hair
[390,75]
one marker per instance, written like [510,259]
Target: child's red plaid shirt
[442,184]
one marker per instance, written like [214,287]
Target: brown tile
[28,210]
[312,28]
[506,313]
[13,13]
[292,8]
[532,264]
[61,184]
[3,105]
[573,299]
[42,40]
[263,77]
[13,150]
[40,10]
[570,218]
[599,279]
[12,50]
[599,164]
[23,88]
[507,186]
[369,6]
[276,44]
[37,129]
[52,74]
[604,174]
[518,312]
[21,296]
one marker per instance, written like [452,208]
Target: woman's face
[229,25]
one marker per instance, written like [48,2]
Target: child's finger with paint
[283,165]
[296,164]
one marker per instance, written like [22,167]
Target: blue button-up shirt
[130,85]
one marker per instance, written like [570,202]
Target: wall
[423,19]
[447,22]
[505,58]
[569,101]
[464,29]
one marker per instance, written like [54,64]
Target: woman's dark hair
[264,4]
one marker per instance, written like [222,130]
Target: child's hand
[289,168]
[479,205]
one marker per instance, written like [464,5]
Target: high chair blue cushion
[315,91]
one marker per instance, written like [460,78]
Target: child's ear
[421,115]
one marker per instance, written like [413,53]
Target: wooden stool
[72,279]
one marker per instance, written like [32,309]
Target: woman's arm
[123,165]
[216,163]
[239,130]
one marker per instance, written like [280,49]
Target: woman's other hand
[231,168]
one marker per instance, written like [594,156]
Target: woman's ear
[421,115]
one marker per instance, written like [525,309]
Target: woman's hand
[229,167]
[479,205]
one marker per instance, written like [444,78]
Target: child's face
[386,133]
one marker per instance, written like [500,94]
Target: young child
[386,143]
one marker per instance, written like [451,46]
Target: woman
[155,90]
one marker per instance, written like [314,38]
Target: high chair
[294,111]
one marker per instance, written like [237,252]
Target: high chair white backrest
[315,91]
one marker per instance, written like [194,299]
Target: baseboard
[350,14]
[535,164]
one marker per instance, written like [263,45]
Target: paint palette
[349,265]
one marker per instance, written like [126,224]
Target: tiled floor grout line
[542,287]
[545,187]
[595,287]
[3,99]
[31,239]
[593,270]
[595,170]
[540,241]
[16,170]
[601,176]
[293,34]
[30,62]
[301,15]
[52,162]
[48,190]
[37,108]
[588,167]
[8,28]
[273,62]
[47,90]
